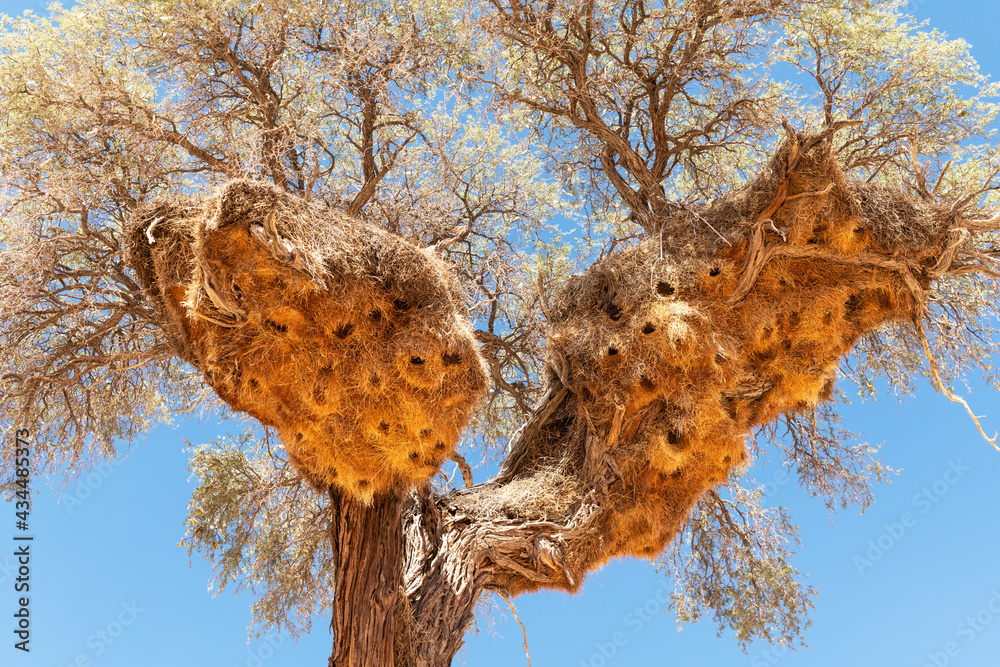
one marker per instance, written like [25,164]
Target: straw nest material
[352,343]
[674,349]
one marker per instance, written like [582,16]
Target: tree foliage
[521,139]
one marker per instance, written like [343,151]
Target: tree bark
[458,546]
[368,552]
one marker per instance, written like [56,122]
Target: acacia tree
[344,221]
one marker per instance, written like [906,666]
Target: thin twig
[951,396]
[464,466]
[523,629]
[201,396]
[543,302]
[817,193]
[707,223]
[149,230]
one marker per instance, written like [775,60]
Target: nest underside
[354,344]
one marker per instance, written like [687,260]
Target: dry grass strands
[351,342]
[673,349]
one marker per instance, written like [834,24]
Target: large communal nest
[671,350]
[352,343]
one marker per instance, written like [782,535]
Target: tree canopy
[602,158]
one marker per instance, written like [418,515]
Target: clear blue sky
[111,588]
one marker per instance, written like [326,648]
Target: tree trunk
[368,552]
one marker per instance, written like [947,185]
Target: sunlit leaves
[253,516]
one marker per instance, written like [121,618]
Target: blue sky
[111,588]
